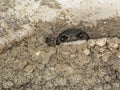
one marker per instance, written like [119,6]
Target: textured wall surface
[18,18]
[27,63]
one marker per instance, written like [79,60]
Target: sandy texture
[32,65]
[18,18]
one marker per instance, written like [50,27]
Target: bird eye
[63,38]
[80,35]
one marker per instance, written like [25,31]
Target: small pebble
[114,45]
[104,22]
[87,52]
[101,42]
[91,43]
[38,53]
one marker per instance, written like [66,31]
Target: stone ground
[32,65]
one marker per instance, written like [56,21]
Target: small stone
[91,43]
[87,52]
[38,53]
[104,22]
[114,45]
[101,42]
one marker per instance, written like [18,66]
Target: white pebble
[91,43]
[38,53]
[101,42]
[87,52]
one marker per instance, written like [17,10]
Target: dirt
[32,65]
